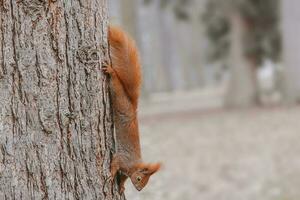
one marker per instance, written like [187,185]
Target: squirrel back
[126,62]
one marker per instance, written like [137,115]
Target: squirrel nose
[139,189]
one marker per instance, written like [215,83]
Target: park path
[217,154]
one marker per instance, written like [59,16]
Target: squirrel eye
[138,178]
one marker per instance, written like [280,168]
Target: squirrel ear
[152,168]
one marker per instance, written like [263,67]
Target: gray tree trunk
[150,46]
[242,89]
[55,119]
[114,7]
[129,18]
[192,43]
[172,71]
[291,47]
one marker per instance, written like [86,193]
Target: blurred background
[220,96]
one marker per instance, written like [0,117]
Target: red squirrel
[125,81]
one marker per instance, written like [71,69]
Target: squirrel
[125,81]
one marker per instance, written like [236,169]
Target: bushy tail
[126,62]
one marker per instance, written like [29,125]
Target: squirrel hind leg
[121,183]
[115,166]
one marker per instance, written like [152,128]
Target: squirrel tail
[125,61]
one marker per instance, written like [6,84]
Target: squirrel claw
[104,70]
[121,190]
[107,69]
[108,179]
[111,180]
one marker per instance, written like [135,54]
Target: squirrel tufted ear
[152,168]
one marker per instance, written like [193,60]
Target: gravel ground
[215,154]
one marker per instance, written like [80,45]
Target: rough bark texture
[55,122]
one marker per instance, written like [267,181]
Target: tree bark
[56,131]
[242,91]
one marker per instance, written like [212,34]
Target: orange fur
[126,62]
[125,83]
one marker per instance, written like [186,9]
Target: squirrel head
[141,176]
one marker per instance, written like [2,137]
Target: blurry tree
[129,12]
[291,46]
[171,58]
[115,13]
[56,131]
[156,46]
[191,41]
[124,13]
[150,46]
[250,29]
[182,43]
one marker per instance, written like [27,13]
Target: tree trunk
[55,118]
[192,42]
[291,47]
[171,71]
[242,89]
[149,44]
[129,12]
[114,7]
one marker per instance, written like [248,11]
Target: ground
[215,154]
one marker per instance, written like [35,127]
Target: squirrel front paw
[107,69]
